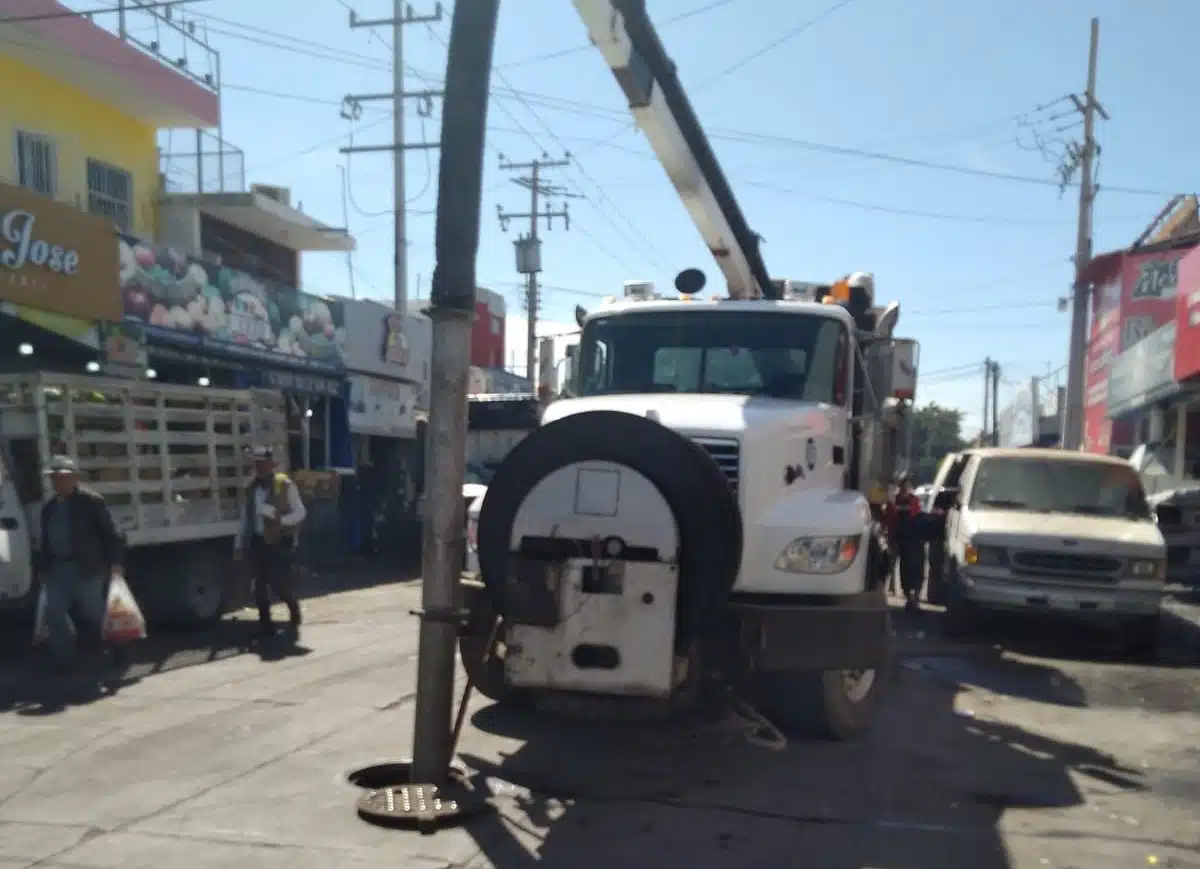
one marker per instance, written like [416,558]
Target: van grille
[1066,564]
[727,455]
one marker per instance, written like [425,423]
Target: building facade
[487,332]
[83,110]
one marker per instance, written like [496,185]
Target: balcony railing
[200,163]
[165,33]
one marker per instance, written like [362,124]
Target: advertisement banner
[378,340]
[83,331]
[57,258]
[1187,318]
[1143,374]
[1104,339]
[183,301]
[123,347]
[382,407]
[1150,284]
[1018,422]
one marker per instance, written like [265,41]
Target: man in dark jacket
[80,549]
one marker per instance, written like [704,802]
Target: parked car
[1049,532]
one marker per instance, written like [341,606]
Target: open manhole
[395,773]
[392,799]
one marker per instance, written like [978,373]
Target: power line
[88,13]
[773,44]
[636,239]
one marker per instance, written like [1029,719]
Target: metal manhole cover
[419,805]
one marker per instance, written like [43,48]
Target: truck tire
[487,677]
[184,586]
[837,705]
[703,503]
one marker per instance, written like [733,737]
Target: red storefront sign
[1187,308]
[1104,342]
[1135,295]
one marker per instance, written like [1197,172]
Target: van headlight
[1148,568]
[817,555]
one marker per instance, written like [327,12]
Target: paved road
[1025,749]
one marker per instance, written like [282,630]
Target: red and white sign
[1104,343]
[1187,307]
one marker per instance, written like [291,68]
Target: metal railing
[166,33]
[205,164]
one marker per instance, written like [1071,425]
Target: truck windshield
[769,354]
[1059,486]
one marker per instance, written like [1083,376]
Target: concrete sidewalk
[242,762]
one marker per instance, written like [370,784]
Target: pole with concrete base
[452,306]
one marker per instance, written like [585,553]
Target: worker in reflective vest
[270,526]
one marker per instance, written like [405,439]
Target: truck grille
[727,455]
[1066,564]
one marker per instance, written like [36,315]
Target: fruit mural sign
[181,300]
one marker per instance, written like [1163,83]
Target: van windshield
[769,354]
[1059,486]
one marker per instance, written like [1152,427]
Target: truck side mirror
[946,498]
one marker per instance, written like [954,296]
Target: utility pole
[529,247]
[402,14]
[987,400]
[1082,157]
[995,404]
[452,308]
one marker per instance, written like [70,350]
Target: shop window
[110,193]
[37,163]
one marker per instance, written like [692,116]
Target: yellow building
[83,107]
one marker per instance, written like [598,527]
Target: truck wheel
[839,705]
[1139,639]
[186,587]
[487,677]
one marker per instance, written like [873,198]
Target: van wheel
[1139,639]
[960,618]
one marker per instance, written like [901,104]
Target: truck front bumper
[851,632]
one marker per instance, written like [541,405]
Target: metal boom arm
[624,34]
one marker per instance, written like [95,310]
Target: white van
[1049,532]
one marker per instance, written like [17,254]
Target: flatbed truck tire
[833,705]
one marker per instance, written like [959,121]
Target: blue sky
[976,261]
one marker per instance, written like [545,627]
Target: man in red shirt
[905,539]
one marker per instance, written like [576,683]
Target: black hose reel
[697,491]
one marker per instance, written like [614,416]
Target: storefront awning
[258,213]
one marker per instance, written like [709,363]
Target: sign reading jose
[57,258]
[184,301]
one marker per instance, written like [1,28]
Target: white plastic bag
[123,619]
[41,633]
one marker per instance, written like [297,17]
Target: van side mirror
[946,497]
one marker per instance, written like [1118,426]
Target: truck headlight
[1149,568]
[817,555]
[985,556]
